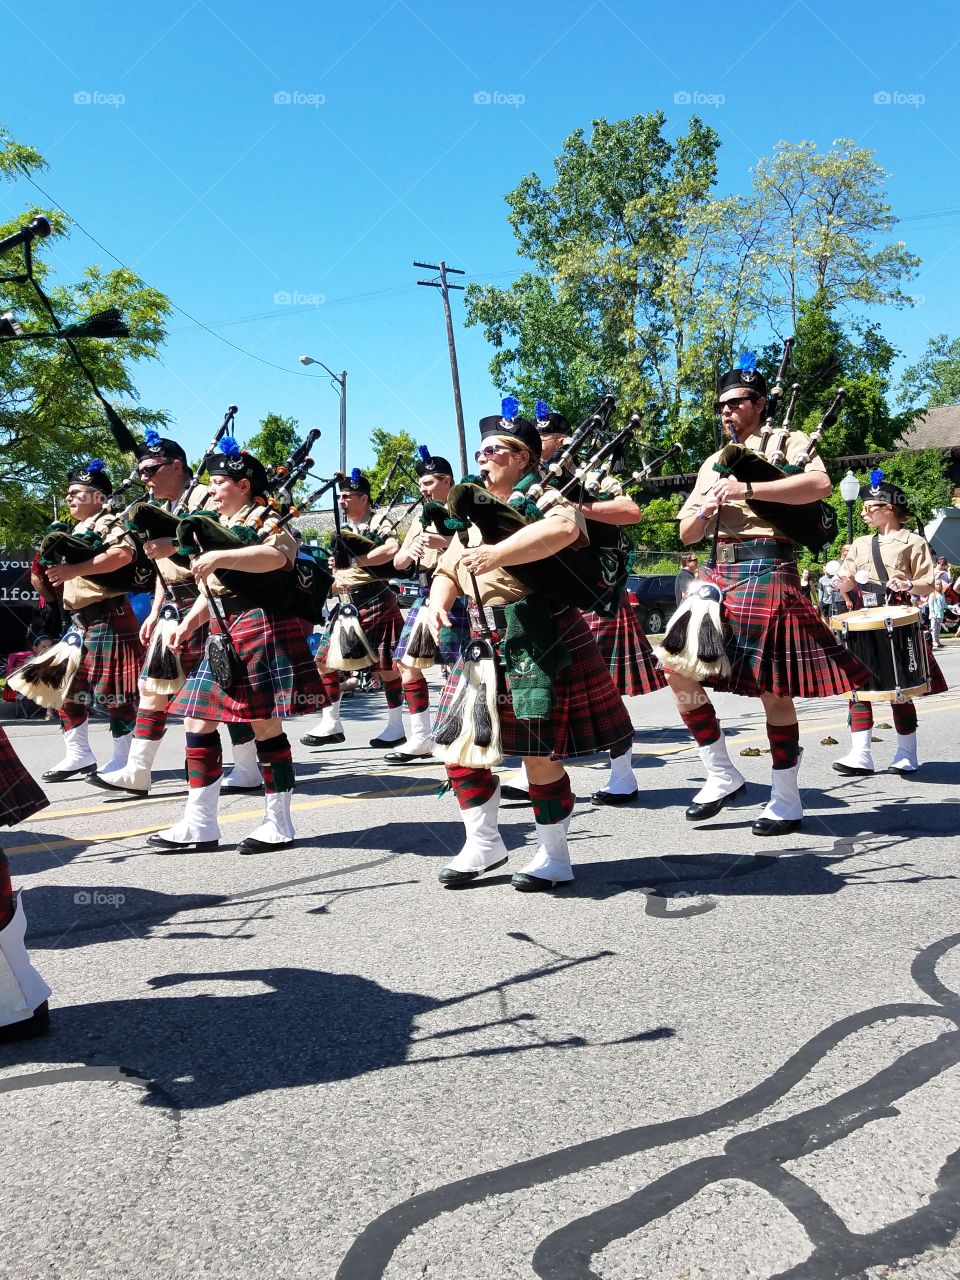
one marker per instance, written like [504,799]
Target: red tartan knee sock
[905,718]
[7,900]
[552,801]
[784,742]
[150,724]
[860,716]
[393,693]
[331,685]
[204,758]
[416,694]
[123,720]
[472,787]
[703,724]
[276,764]
[72,715]
[240,733]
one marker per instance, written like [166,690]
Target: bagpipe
[350,544]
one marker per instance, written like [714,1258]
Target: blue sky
[289,226]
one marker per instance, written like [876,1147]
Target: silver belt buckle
[487,615]
[727,553]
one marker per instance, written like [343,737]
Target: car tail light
[632,597]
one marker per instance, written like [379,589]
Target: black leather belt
[97,612]
[367,593]
[183,592]
[735,552]
[232,605]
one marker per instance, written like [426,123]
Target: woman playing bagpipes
[775,646]
[168,478]
[532,682]
[368,615]
[905,569]
[104,635]
[422,547]
[257,668]
[23,993]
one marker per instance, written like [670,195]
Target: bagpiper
[110,652]
[166,474]
[422,547]
[532,682]
[774,645]
[887,567]
[257,669]
[376,619]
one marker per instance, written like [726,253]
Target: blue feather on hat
[876,478]
[153,438]
[229,447]
[541,411]
[509,408]
[747,362]
[423,453]
[93,466]
[356,475]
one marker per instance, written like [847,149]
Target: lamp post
[340,382]
[849,492]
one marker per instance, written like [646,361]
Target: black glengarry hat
[236,463]
[879,490]
[94,474]
[158,446]
[431,464]
[355,482]
[509,423]
[549,423]
[744,374]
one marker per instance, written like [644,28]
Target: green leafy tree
[50,420]
[658,530]
[935,378]
[386,446]
[275,441]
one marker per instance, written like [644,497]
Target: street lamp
[340,382]
[849,492]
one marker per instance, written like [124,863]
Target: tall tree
[50,420]
[935,378]
[387,446]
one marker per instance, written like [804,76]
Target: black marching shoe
[64,775]
[851,771]
[612,798]
[776,826]
[38,1024]
[160,842]
[513,793]
[451,879]
[536,884]
[322,739]
[227,790]
[388,742]
[252,845]
[407,757]
[710,808]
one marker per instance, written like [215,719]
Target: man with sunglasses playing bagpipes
[887,569]
[257,669]
[173,491]
[531,682]
[366,623]
[97,662]
[613,622]
[415,651]
[771,643]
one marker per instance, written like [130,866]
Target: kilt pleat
[382,624]
[452,638]
[279,678]
[775,639]
[624,647]
[588,715]
[20,796]
[109,671]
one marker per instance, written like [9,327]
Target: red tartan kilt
[109,671]
[20,797]
[938,681]
[279,678]
[776,640]
[626,650]
[588,715]
[382,624]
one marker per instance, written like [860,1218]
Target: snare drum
[890,644]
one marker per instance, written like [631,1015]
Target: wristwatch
[747,489]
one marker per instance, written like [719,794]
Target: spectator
[687,576]
[937,606]
[40,645]
[942,571]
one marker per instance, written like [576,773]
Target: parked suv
[654,598]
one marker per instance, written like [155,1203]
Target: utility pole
[444,286]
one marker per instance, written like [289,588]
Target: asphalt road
[713,1056]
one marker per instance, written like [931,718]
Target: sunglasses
[736,403]
[492,451]
[146,472]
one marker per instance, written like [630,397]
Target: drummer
[891,567]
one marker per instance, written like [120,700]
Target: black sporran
[225,666]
